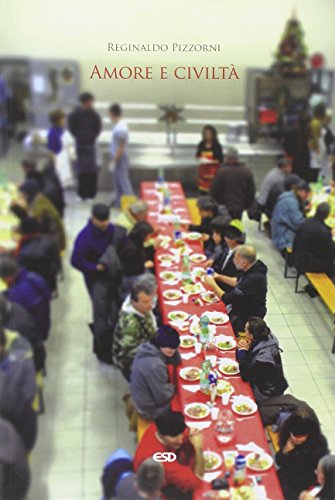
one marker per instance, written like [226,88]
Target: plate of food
[195,328]
[198,272]
[197,410]
[178,316]
[169,276]
[190,373]
[187,341]
[259,462]
[225,343]
[217,317]
[193,236]
[229,366]
[209,297]
[165,257]
[172,294]
[224,387]
[193,289]
[198,257]
[212,460]
[243,493]
[244,407]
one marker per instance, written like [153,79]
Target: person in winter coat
[274,178]
[301,446]
[16,318]
[136,212]
[313,246]
[134,256]
[209,153]
[14,467]
[37,253]
[150,385]
[30,291]
[136,323]
[92,242]
[59,143]
[248,298]
[85,125]
[18,385]
[258,355]
[106,300]
[234,185]
[325,474]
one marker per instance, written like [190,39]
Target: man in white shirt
[119,155]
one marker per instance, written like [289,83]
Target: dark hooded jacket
[248,298]
[150,387]
[261,366]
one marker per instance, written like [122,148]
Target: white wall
[248,30]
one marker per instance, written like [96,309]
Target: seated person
[248,298]
[29,290]
[274,179]
[325,474]
[150,385]
[136,323]
[136,212]
[14,466]
[313,246]
[260,362]
[145,484]
[229,238]
[133,256]
[18,385]
[169,433]
[37,253]
[301,446]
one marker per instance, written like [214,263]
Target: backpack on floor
[274,411]
[119,464]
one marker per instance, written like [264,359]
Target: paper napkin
[252,447]
[210,476]
[199,425]
[192,388]
[188,355]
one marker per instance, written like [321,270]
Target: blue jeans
[121,181]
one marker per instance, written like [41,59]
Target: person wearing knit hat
[169,433]
[150,384]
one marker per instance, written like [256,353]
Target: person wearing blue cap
[150,386]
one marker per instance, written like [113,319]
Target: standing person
[85,126]
[119,164]
[209,153]
[316,144]
[234,185]
[295,145]
[59,143]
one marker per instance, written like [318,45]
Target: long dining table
[248,430]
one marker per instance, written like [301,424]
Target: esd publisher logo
[165,456]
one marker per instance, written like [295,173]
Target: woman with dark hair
[134,256]
[325,474]
[210,156]
[260,362]
[301,446]
[59,144]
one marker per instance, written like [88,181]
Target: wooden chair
[194,211]
[126,200]
[142,426]
[273,438]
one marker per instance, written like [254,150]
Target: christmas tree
[291,54]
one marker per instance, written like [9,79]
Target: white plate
[187,337]
[209,297]
[223,340]
[215,455]
[165,257]
[177,294]
[198,257]
[217,317]
[193,289]
[226,384]
[195,328]
[193,236]
[249,402]
[229,362]
[205,408]
[183,372]
[263,456]
[198,272]
[183,315]
[169,276]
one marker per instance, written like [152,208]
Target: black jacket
[248,298]
[132,259]
[229,268]
[234,187]
[52,187]
[85,125]
[313,248]
[261,365]
[216,149]
[297,467]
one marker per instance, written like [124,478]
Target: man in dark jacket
[150,385]
[248,298]
[92,242]
[313,246]
[30,291]
[234,185]
[259,358]
[85,126]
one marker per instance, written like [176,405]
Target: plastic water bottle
[204,329]
[319,184]
[204,377]
[160,179]
[225,426]
[185,270]
[240,469]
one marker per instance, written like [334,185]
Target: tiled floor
[84,419]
